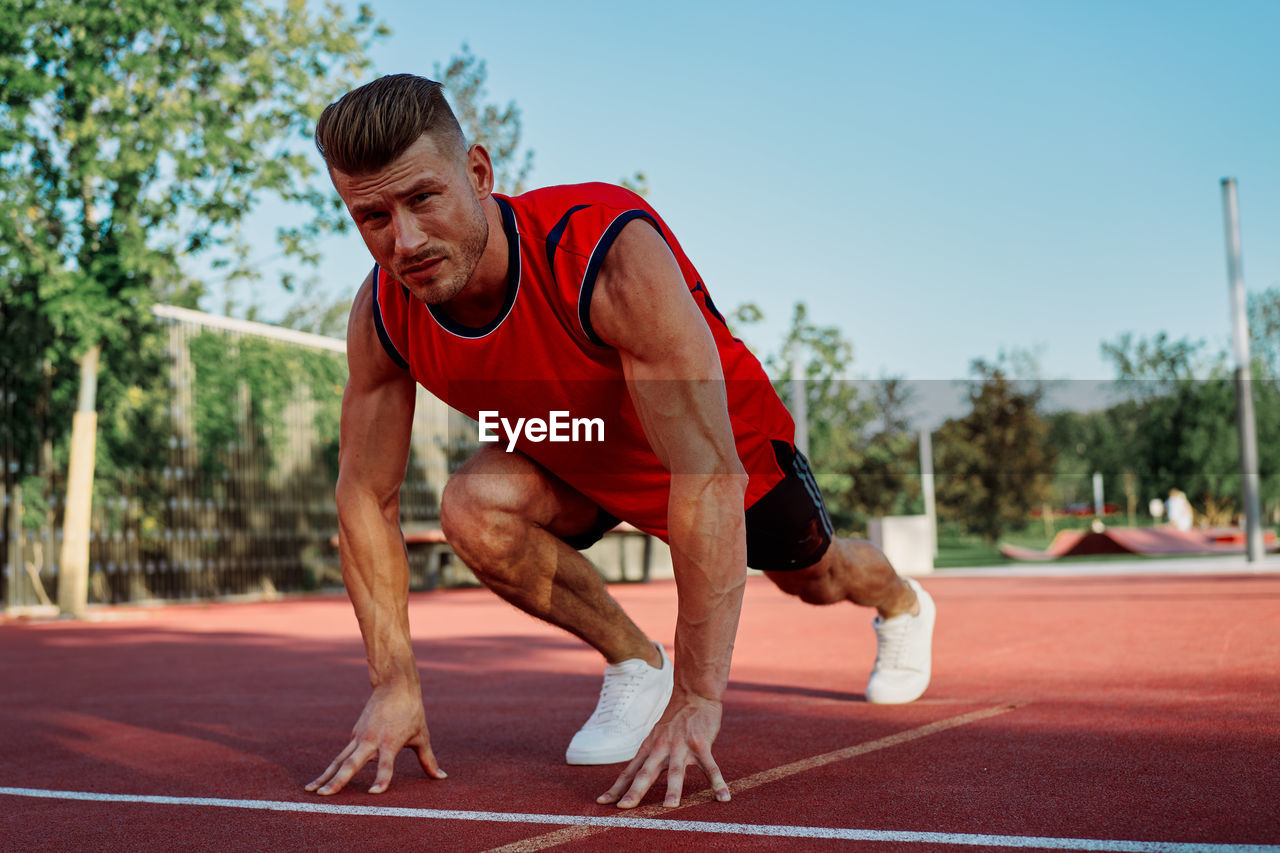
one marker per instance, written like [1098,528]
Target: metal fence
[234,495]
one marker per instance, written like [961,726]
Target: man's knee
[813,585]
[484,513]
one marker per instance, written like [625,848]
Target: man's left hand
[682,737]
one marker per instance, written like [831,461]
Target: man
[577,300]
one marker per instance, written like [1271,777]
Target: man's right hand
[393,719]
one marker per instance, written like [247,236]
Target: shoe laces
[620,685]
[891,636]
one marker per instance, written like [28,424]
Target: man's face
[421,217]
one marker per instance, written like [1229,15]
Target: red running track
[1109,710]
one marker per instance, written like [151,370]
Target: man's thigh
[497,480]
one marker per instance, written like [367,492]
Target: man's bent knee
[484,514]
[496,500]
[813,585]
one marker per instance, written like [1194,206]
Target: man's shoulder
[571,219]
[555,204]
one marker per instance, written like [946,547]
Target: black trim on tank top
[553,237]
[699,287]
[597,258]
[513,282]
[387,343]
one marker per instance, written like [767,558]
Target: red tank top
[540,356]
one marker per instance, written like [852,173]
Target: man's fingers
[333,767]
[718,785]
[386,767]
[357,755]
[642,782]
[359,758]
[638,783]
[427,758]
[675,784]
[624,780]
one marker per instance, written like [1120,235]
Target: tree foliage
[1264,332]
[497,128]
[1177,429]
[863,456]
[1149,367]
[135,134]
[995,463]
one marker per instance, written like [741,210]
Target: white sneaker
[904,653]
[632,700]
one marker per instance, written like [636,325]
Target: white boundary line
[838,833]
[568,834]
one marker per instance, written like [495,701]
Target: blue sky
[942,180]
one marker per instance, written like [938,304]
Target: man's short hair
[369,127]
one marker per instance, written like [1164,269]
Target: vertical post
[799,400]
[927,486]
[1244,385]
[1099,505]
[13,543]
[73,567]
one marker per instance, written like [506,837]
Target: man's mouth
[423,270]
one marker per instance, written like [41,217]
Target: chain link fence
[230,492]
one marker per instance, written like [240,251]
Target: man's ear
[480,170]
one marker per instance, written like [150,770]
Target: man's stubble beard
[465,259]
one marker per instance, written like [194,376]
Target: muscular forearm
[376,573]
[708,551]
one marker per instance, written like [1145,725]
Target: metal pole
[1244,384]
[799,400]
[927,486]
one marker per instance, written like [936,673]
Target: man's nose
[410,236]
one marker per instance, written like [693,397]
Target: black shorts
[787,529]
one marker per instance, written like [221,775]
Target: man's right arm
[377,419]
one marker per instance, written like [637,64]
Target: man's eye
[423,196]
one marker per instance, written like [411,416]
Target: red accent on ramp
[1153,541]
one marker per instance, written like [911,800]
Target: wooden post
[73,567]
[13,544]
[928,486]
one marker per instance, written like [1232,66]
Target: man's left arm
[642,307]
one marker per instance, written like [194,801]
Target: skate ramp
[1152,541]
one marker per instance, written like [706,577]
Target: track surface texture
[1119,712]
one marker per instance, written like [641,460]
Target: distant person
[1179,509]
[572,299]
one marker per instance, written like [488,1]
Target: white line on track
[838,833]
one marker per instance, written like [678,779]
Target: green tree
[1103,441]
[1179,427]
[1150,367]
[994,464]
[1264,333]
[837,416]
[863,456]
[497,128]
[136,134]
[886,480]
[637,182]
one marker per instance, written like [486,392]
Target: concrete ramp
[1153,541]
